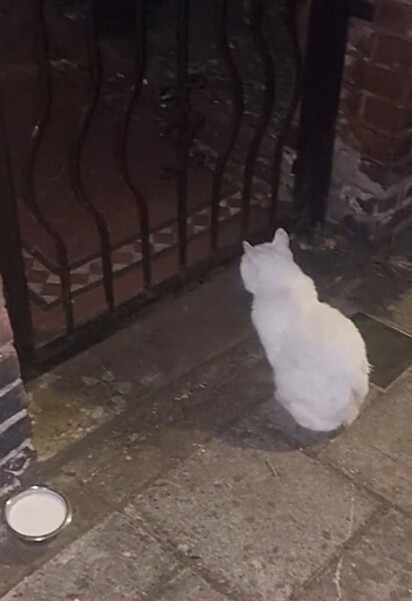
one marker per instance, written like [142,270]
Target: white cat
[318,356]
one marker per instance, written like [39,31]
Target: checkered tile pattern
[45,285]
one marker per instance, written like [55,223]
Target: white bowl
[38,513]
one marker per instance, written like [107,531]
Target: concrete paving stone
[166,342]
[383,293]
[377,568]
[124,459]
[65,409]
[376,450]
[389,351]
[334,276]
[115,560]
[18,558]
[257,516]
[188,586]
[399,312]
[353,277]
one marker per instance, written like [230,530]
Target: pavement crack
[338,571]
[337,579]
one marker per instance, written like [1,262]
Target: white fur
[317,354]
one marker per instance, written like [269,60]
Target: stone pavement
[190,484]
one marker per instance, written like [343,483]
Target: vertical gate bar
[238,102]
[256,17]
[88,111]
[12,265]
[323,71]
[39,130]
[182,114]
[141,203]
[289,19]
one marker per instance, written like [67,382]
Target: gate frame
[327,38]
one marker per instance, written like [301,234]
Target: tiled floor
[87,280]
[44,279]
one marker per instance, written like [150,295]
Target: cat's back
[329,321]
[335,340]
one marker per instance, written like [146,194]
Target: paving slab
[65,408]
[355,276]
[257,516]
[164,343]
[127,456]
[170,338]
[377,567]
[188,586]
[385,290]
[376,451]
[389,350]
[114,464]
[115,560]
[399,312]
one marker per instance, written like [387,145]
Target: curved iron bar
[238,102]
[256,17]
[182,104]
[141,204]
[39,130]
[95,77]
[291,25]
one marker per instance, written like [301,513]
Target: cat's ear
[247,248]
[281,237]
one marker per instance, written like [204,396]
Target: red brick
[384,175]
[393,52]
[385,116]
[360,37]
[394,16]
[408,96]
[354,67]
[381,147]
[351,103]
[383,82]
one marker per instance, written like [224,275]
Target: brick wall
[372,178]
[16,450]
[372,174]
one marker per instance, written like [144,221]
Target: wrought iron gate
[140,142]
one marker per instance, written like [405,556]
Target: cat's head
[267,266]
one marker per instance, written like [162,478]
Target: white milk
[37,513]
